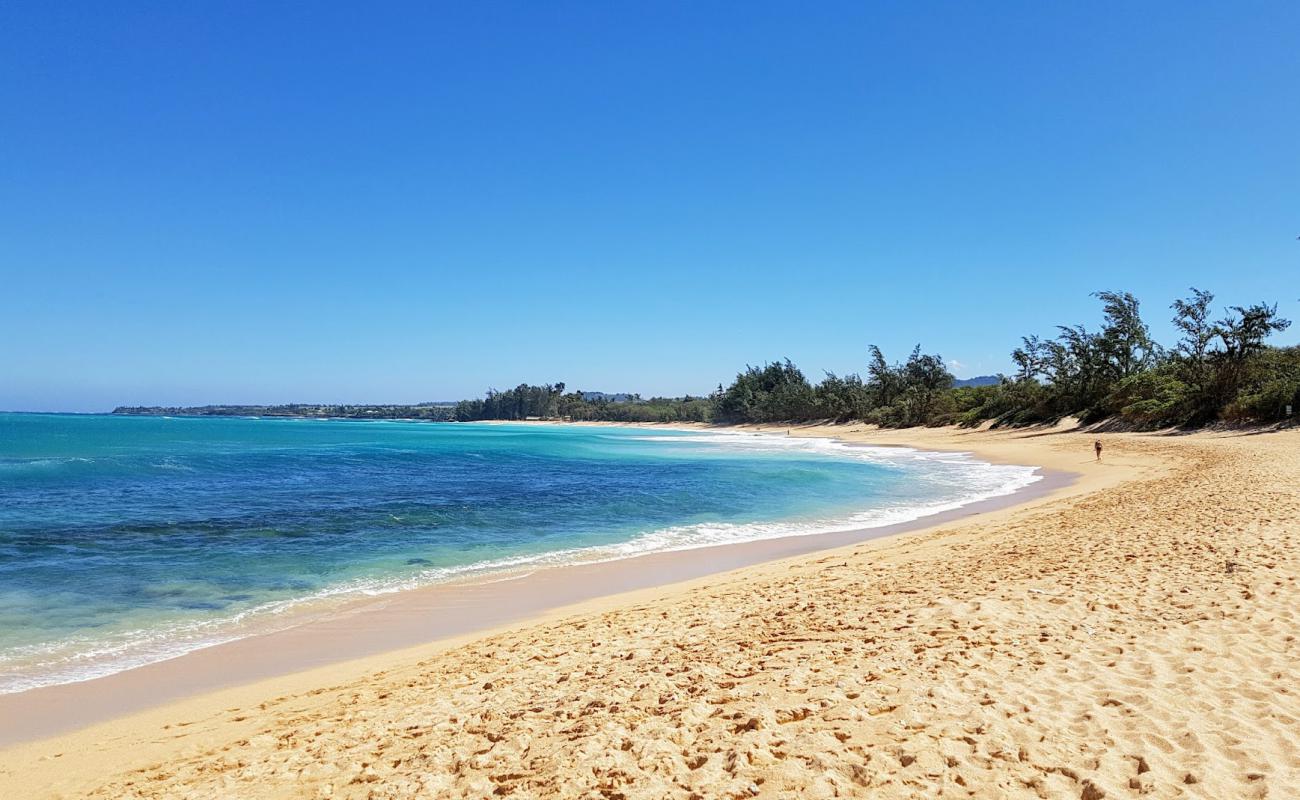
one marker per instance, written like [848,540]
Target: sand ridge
[1132,637]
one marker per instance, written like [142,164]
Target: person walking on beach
[1097,447]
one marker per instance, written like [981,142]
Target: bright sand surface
[1132,632]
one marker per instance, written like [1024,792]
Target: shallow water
[127,540]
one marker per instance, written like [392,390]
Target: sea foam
[957,480]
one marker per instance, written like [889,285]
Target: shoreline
[1034,650]
[408,618]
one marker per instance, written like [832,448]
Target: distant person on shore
[1096,446]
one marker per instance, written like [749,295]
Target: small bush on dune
[1267,404]
[1153,399]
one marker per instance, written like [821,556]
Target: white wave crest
[79,659]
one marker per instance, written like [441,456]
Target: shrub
[1153,399]
[1266,404]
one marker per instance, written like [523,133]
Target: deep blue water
[124,540]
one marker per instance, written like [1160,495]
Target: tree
[1241,333]
[886,381]
[775,392]
[842,399]
[904,394]
[924,377]
[1078,364]
[1244,330]
[1192,317]
[1031,358]
[1125,341]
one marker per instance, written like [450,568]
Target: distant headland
[424,411]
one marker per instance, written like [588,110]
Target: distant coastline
[437,412]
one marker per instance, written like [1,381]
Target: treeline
[892,395]
[522,402]
[550,401]
[1220,368]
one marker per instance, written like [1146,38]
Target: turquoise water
[126,540]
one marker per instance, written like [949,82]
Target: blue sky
[225,202]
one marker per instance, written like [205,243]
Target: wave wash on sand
[206,546]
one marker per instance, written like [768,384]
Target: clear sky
[230,202]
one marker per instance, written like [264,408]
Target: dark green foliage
[656,409]
[1155,398]
[1271,382]
[1019,402]
[909,393]
[522,402]
[549,401]
[1216,370]
[841,399]
[1240,337]
[1125,343]
[894,395]
[924,378]
[776,392]
[1083,367]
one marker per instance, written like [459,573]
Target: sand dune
[1134,635]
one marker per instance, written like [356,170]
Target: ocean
[130,540]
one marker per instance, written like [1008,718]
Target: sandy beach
[1130,632]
